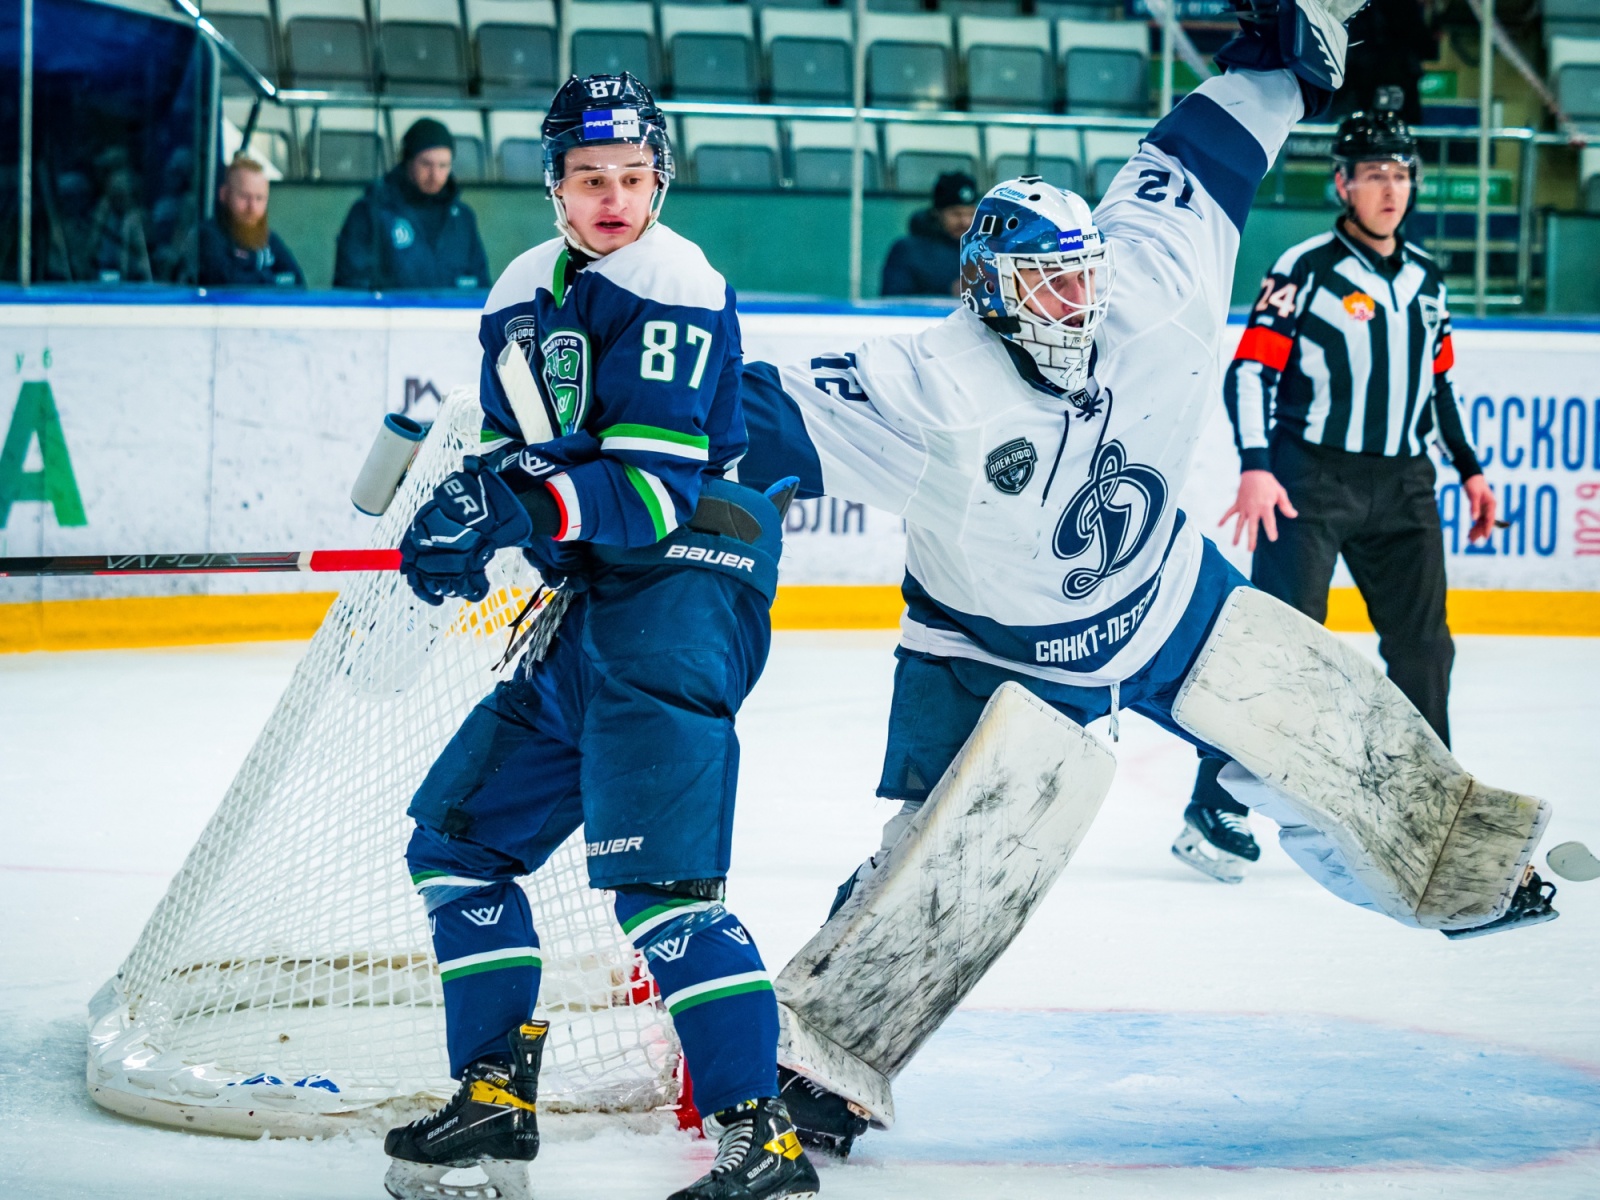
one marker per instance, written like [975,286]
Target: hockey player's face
[607,191]
[1057,296]
[1379,192]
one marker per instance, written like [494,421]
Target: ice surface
[1151,1034]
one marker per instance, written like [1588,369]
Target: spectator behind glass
[118,251]
[927,261]
[411,230]
[237,249]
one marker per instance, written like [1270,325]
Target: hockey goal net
[286,981]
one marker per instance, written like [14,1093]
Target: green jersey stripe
[655,433]
[526,960]
[667,910]
[656,501]
[721,993]
[490,960]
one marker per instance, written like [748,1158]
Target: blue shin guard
[713,983]
[483,937]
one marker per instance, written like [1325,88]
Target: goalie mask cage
[286,981]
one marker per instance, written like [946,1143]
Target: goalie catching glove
[472,514]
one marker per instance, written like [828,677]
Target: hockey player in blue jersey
[1035,443]
[611,405]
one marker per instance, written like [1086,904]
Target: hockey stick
[201,564]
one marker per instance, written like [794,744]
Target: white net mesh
[288,971]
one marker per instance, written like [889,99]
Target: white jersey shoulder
[665,267]
[529,271]
[1287,260]
[950,376]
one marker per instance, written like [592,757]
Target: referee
[1339,382]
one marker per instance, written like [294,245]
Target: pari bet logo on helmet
[604,110]
[1037,272]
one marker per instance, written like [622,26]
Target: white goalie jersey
[1042,531]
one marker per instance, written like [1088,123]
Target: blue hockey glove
[472,514]
[1306,36]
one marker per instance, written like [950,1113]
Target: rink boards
[202,426]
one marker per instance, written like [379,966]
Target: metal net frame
[286,982]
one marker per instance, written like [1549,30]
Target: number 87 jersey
[632,382]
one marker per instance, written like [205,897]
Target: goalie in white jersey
[1035,443]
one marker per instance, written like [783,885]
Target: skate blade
[1500,926]
[1574,861]
[503,1179]
[1224,867]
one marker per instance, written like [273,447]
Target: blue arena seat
[820,155]
[1009,65]
[809,56]
[711,51]
[910,60]
[248,24]
[1106,66]
[919,154]
[422,47]
[609,38]
[731,153]
[326,45]
[514,43]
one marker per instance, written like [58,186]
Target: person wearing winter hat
[927,261]
[411,230]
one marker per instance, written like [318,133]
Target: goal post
[286,984]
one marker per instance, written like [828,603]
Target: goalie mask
[604,110]
[1036,271]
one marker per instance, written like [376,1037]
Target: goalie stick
[201,564]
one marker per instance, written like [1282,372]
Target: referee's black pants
[1380,513]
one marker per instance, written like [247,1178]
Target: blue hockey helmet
[1037,272]
[604,110]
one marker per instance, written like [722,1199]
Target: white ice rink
[1151,1034]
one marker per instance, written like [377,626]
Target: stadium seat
[732,153]
[273,141]
[1058,158]
[809,56]
[1079,10]
[1008,151]
[325,44]
[1571,18]
[1105,154]
[469,164]
[711,51]
[248,25]
[346,145]
[1009,68]
[919,154]
[909,60]
[422,47]
[981,8]
[514,42]
[1575,71]
[1106,64]
[1589,179]
[820,155]
[607,39]
[518,150]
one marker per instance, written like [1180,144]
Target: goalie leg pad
[917,933]
[1350,758]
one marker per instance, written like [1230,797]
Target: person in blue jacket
[411,230]
[612,423]
[237,249]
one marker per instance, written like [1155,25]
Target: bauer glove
[472,514]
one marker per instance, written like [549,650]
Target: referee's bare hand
[1261,498]
[1484,507]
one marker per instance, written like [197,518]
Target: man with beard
[411,229]
[237,249]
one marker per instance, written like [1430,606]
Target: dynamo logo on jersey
[1110,517]
[1070,239]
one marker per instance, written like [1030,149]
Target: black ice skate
[823,1120]
[490,1124]
[1530,905]
[1216,840]
[758,1155]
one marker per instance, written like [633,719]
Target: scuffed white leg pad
[916,934]
[1351,758]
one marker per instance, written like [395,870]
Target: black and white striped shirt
[1350,351]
